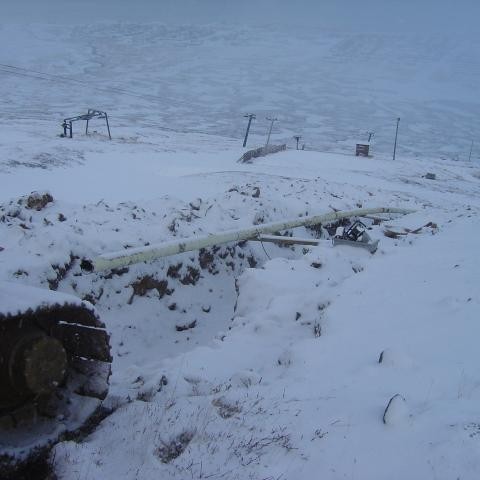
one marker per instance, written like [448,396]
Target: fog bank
[421,16]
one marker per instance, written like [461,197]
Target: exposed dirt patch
[188,326]
[38,201]
[147,283]
[206,259]
[225,408]
[116,271]
[171,450]
[92,297]
[174,270]
[61,272]
[227,251]
[191,277]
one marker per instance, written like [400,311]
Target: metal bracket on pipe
[149,253]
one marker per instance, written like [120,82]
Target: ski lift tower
[68,122]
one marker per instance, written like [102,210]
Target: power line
[52,77]
[25,72]
[38,75]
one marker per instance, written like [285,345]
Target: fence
[261,152]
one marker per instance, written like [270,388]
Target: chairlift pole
[272,121]
[396,136]
[471,150]
[108,126]
[297,138]
[250,116]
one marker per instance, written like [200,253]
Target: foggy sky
[451,16]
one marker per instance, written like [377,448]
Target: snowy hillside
[330,87]
[252,360]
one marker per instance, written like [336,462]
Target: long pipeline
[123,258]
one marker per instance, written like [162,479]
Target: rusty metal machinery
[355,236]
[54,370]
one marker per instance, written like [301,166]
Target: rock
[38,201]
[394,358]
[188,326]
[196,204]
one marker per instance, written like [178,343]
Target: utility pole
[272,120]
[297,138]
[471,150]
[396,136]
[250,116]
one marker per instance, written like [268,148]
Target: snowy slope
[330,87]
[243,393]
[255,361]
[274,400]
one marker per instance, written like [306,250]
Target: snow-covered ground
[330,87]
[255,361]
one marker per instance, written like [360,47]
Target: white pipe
[149,253]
